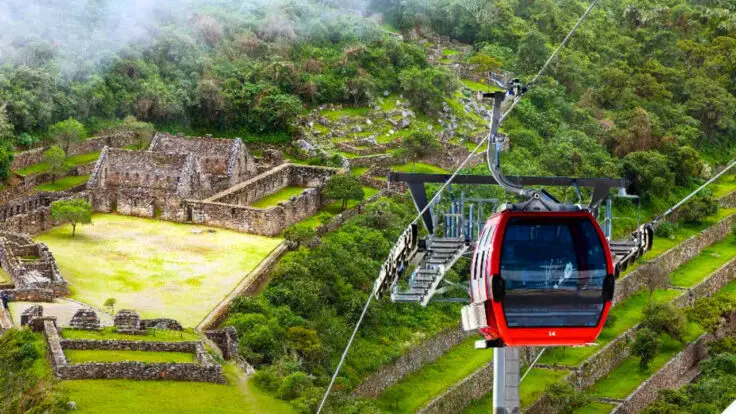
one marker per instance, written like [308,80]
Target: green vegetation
[712,258]
[94,355]
[358,171]
[151,335]
[63,184]
[70,163]
[282,195]
[419,167]
[27,384]
[5,278]
[66,132]
[182,272]
[624,316]
[55,158]
[345,188]
[124,396]
[628,375]
[724,185]
[477,86]
[418,388]
[594,408]
[74,211]
[530,389]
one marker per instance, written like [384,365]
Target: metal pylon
[506,380]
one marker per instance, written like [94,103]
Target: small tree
[344,187]
[143,131]
[56,159]
[66,132]
[419,145]
[6,147]
[565,398]
[710,312]
[654,278]
[110,304]
[72,211]
[645,346]
[664,318]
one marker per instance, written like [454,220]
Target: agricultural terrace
[160,269]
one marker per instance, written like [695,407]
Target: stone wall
[27,158]
[385,160]
[121,345]
[668,376]
[411,361]
[32,215]
[674,257]
[459,396]
[31,295]
[728,201]
[226,339]
[31,265]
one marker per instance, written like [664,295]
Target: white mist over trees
[80,35]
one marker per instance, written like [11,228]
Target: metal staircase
[439,257]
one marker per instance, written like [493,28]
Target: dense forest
[646,89]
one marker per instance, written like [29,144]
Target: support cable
[532,365]
[445,185]
[691,195]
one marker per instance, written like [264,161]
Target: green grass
[449,52]
[124,396]
[358,171]
[729,290]
[345,111]
[418,167]
[5,278]
[418,388]
[594,408]
[282,195]
[477,86]
[111,334]
[95,355]
[724,185]
[70,162]
[530,390]
[158,268]
[712,258]
[63,184]
[627,314]
[627,376]
[334,208]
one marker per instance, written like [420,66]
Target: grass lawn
[418,167]
[724,186]
[624,379]
[594,408]
[125,396]
[5,278]
[345,111]
[449,52]
[530,389]
[110,333]
[417,389]
[627,314]
[729,290]
[333,209]
[95,355]
[63,183]
[358,171]
[712,258]
[277,197]
[70,162]
[159,268]
[477,86]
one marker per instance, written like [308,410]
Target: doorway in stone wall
[189,214]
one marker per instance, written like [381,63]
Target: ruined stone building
[31,266]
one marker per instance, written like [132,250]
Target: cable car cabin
[542,278]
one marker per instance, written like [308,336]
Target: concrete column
[506,362]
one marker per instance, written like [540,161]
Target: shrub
[710,312]
[666,230]
[697,209]
[300,233]
[664,318]
[565,397]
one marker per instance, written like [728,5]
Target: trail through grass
[159,268]
[95,355]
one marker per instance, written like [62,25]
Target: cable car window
[553,268]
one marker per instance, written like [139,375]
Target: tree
[710,312]
[418,145]
[664,318]
[645,346]
[648,174]
[483,64]
[698,209]
[565,398]
[360,88]
[56,159]
[6,146]
[654,278]
[143,131]
[300,233]
[76,211]
[66,132]
[532,52]
[427,88]
[344,187]
[110,303]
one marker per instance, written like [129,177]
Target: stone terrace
[32,267]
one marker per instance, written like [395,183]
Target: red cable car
[542,278]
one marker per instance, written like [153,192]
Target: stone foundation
[226,339]
[31,265]
[127,321]
[85,319]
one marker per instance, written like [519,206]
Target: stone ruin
[32,267]
[161,323]
[33,312]
[226,339]
[85,319]
[128,321]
